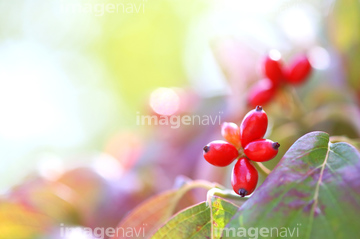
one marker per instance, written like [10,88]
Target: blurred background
[76,75]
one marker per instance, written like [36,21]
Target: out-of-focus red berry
[298,71]
[261,93]
[273,67]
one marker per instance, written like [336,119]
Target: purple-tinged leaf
[314,192]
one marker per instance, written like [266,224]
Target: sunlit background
[74,76]
[71,78]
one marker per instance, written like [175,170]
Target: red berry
[220,153]
[298,71]
[261,150]
[244,177]
[231,132]
[261,93]
[253,126]
[273,67]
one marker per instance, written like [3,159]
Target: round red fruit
[273,67]
[244,177]
[299,70]
[261,93]
[220,153]
[261,150]
[231,132]
[253,126]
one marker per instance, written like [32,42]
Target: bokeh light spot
[275,55]
[164,101]
[319,58]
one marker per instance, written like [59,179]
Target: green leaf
[199,221]
[193,222]
[221,213]
[314,192]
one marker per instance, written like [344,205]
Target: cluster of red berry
[277,75]
[244,143]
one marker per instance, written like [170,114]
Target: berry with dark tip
[261,150]
[253,126]
[220,153]
[244,177]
